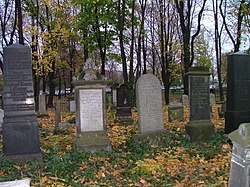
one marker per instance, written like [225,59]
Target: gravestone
[199,128]
[238,91]
[185,100]
[16,183]
[123,110]
[240,160]
[212,99]
[1,118]
[72,106]
[42,105]
[90,97]
[175,111]
[114,94]
[149,106]
[20,127]
[57,114]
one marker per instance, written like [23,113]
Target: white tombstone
[16,183]
[149,104]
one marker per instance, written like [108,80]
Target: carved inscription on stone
[18,88]
[200,93]
[91,109]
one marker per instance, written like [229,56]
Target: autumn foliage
[175,162]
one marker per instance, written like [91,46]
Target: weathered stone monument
[199,128]
[42,105]
[114,94]
[149,106]
[184,100]
[175,111]
[123,110]
[90,96]
[240,160]
[20,127]
[238,91]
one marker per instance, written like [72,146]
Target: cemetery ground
[175,162]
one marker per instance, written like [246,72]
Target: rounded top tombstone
[148,79]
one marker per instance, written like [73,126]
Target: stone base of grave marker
[175,112]
[21,138]
[123,115]
[200,130]
[153,138]
[93,141]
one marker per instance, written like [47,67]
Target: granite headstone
[199,128]
[123,110]
[20,127]
[238,91]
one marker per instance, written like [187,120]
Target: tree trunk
[52,86]
[20,21]
[121,19]
[131,64]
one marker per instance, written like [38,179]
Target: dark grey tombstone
[240,160]
[91,114]
[199,127]
[238,91]
[123,110]
[20,127]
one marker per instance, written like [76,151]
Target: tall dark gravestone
[20,127]
[238,91]
[199,127]
[123,110]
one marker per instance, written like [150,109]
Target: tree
[120,29]
[236,12]
[185,11]
[95,22]
[202,53]
[217,43]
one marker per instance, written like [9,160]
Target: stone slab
[16,183]
[200,131]
[91,109]
[93,141]
[149,104]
